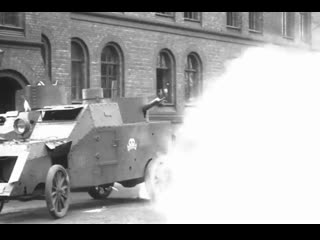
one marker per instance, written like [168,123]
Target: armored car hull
[50,151]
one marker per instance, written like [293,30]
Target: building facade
[315,28]
[165,54]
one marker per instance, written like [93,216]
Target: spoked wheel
[157,179]
[1,204]
[100,192]
[57,191]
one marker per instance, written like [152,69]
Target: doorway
[9,84]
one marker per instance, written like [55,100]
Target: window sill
[11,31]
[192,20]
[288,37]
[255,31]
[164,105]
[233,27]
[11,27]
[164,15]
[190,105]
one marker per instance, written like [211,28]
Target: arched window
[165,76]
[111,70]
[193,82]
[79,69]
[46,54]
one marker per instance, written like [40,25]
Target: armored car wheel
[100,192]
[57,191]
[157,179]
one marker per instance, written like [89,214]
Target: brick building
[170,54]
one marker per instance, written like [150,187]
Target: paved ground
[123,206]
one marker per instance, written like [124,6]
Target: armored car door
[106,154]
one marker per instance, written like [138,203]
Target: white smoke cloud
[250,151]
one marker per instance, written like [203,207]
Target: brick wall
[22,54]
[141,47]
[56,27]
[140,40]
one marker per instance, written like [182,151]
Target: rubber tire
[153,170]
[129,183]
[48,191]
[95,194]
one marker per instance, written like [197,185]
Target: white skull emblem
[131,144]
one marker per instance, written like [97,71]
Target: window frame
[305,31]
[288,26]
[192,19]
[165,14]
[21,18]
[12,30]
[46,52]
[255,18]
[172,72]
[235,20]
[187,72]
[85,67]
[120,66]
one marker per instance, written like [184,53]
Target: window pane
[110,71]
[187,86]
[110,55]
[163,61]
[77,52]
[14,19]
[229,18]
[259,21]
[46,54]
[192,15]
[106,92]
[251,20]
[160,93]
[233,19]
[79,70]
[104,69]
[167,88]
[187,15]
[77,80]
[194,85]
[192,78]
[305,26]
[165,73]
[164,86]
[255,21]
[288,24]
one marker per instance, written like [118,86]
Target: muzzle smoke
[250,151]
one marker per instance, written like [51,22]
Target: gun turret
[155,102]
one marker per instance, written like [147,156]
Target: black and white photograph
[159,117]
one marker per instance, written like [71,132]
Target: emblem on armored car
[131,144]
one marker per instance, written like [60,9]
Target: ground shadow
[41,215]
